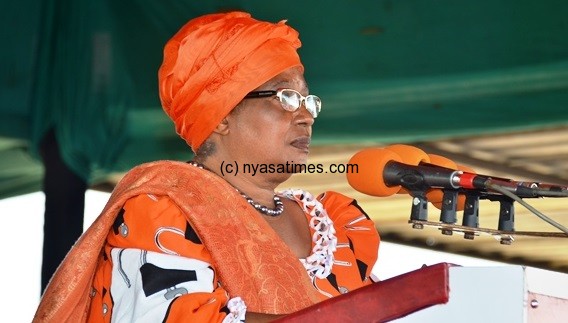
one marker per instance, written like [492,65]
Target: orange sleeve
[154,229]
[357,237]
[155,223]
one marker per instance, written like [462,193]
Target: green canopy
[387,71]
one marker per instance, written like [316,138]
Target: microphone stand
[419,209]
[506,215]
[448,211]
[470,223]
[471,213]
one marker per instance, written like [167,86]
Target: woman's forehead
[291,78]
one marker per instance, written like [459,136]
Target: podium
[382,301]
[449,293]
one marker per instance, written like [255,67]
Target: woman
[193,242]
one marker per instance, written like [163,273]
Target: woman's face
[262,132]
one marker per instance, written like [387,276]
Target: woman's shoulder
[180,181]
[342,208]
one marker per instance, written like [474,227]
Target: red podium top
[384,301]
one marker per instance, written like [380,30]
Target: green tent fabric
[387,71]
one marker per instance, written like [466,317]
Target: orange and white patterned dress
[156,269]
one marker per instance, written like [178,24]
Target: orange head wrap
[213,62]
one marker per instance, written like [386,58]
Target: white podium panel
[508,294]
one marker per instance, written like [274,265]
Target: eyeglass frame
[278,94]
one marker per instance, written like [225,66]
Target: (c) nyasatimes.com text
[234,168]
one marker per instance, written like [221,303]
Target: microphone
[382,172]
[415,156]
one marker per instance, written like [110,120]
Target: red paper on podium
[383,301]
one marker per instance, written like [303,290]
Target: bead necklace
[257,206]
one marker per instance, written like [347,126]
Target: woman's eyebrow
[280,83]
[286,83]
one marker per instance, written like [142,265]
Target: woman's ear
[223,127]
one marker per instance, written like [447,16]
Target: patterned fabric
[257,267]
[320,262]
[156,268]
[255,248]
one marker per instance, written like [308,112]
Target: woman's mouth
[302,143]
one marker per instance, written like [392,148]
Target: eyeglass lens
[291,101]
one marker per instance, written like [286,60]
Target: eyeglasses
[291,100]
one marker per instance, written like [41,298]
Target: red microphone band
[466,180]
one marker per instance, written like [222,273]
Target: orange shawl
[245,250]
